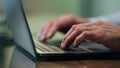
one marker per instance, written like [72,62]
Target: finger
[86,35]
[51,31]
[67,34]
[78,30]
[70,31]
[39,34]
[44,30]
[68,39]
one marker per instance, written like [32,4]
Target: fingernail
[62,45]
[38,36]
[74,44]
[42,37]
[49,35]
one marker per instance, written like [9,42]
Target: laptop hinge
[23,51]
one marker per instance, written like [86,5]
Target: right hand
[62,23]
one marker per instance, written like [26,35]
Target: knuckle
[107,34]
[71,18]
[85,33]
[77,29]
[68,38]
[99,22]
[68,17]
[74,26]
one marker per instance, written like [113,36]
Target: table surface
[81,64]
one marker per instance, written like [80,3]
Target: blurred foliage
[53,6]
[78,7]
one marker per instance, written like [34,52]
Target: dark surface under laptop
[22,36]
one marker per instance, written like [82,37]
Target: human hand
[100,32]
[62,23]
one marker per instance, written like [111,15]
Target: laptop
[35,50]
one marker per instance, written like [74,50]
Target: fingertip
[62,45]
[38,36]
[75,45]
[49,35]
[42,38]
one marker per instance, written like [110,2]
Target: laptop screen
[17,23]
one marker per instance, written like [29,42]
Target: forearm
[113,18]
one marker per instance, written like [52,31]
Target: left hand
[100,32]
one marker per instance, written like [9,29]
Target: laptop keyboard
[54,48]
[48,48]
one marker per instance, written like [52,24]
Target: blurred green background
[38,11]
[84,8]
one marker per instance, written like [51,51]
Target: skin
[78,30]
[62,24]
